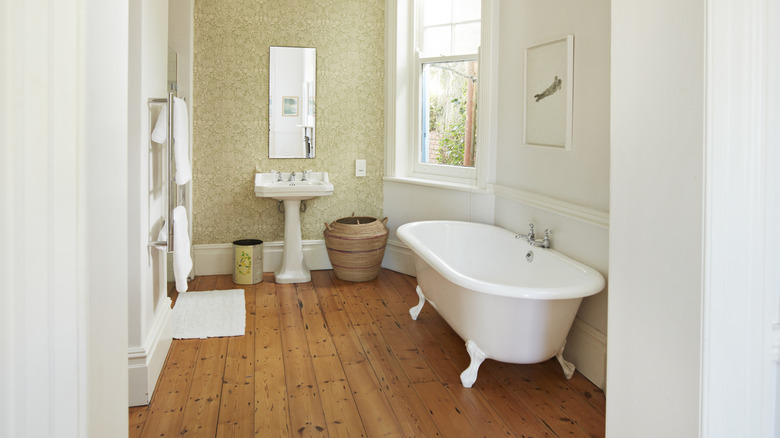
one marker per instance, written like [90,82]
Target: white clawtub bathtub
[510,301]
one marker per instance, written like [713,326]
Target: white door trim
[741,302]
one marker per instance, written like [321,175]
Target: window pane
[466,10]
[437,12]
[449,27]
[449,113]
[436,41]
[466,39]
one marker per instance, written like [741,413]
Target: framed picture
[549,78]
[290,105]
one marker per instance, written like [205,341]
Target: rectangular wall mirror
[291,102]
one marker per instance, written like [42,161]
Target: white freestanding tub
[510,301]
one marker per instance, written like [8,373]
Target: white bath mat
[209,314]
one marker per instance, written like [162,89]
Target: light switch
[360,167]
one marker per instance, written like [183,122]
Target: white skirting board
[145,363]
[586,347]
[217,259]
[399,258]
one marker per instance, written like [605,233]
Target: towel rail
[168,172]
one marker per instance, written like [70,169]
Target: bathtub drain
[529,256]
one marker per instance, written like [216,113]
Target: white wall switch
[360,167]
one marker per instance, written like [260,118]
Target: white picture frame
[548,93]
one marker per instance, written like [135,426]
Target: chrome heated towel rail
[168,171]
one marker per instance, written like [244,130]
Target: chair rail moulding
[568,209]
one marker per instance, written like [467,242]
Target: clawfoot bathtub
[508,300]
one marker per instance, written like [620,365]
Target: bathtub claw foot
[415,311]
[469,376]
[568,367]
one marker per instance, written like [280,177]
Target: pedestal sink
[291,189]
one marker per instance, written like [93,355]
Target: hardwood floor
[340,359]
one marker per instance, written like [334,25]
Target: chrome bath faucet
[533,241]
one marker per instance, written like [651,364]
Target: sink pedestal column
[293,268]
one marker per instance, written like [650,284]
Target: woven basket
[356,246]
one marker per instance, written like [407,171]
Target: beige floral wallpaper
[230,111]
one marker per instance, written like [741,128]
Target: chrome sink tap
[292,176]
[305,176]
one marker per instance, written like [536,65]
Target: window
[441,96]
[447,41]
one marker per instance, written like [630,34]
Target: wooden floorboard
[306,413]
[238,385]
[341,412]
[271,416]
[338,359]
[201,412]
[367,389]
[138,415]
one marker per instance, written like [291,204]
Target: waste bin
[247,261]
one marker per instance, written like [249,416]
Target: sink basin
[292,191]
[316,184]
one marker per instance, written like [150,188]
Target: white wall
[63,212]
[580,176]
[656,220]
[693,311]
[149,307]
[180,39]
[567,191]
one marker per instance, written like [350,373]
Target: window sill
[448,185]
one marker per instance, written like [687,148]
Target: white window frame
[403,106]
[420,169]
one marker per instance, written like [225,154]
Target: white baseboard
[145,363]
[586,347]
[399,258]
[213,259]
[217,259]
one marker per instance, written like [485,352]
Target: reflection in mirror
[291,103]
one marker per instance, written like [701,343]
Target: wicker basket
[356,246]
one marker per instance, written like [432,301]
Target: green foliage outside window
[448,115]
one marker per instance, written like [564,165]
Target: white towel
[182,261]
[181,145]
[160,132]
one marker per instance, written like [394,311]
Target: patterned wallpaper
[230,113]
